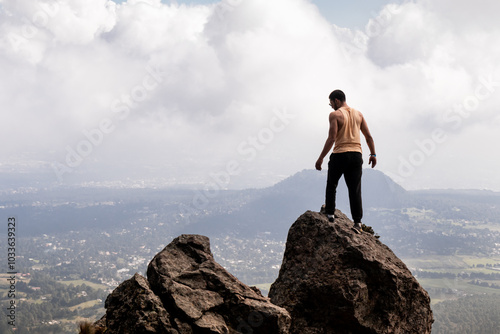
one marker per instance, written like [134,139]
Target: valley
[75,245]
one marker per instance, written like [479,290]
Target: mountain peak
[333,280]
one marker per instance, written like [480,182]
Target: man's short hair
[337,94]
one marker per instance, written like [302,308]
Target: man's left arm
[369,141]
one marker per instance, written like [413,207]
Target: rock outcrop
[187,292]
[333,280]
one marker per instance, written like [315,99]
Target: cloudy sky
[236,91]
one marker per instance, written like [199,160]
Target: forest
[467,315]
[48,306]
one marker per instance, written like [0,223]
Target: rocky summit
[187,292]
[333,280]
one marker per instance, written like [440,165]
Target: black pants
[348,164]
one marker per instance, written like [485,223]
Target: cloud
[144,89]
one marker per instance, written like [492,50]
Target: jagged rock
[133,308]
[204,297]
[333,280]
[187,292]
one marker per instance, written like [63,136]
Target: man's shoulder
[357,112]
[336,113]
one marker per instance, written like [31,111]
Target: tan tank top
[348,137]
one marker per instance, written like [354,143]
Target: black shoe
[357,228]
[331,218]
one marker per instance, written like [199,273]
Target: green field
[264,288]
[441,289]
[456,289]
[470,225]
[464,262]
[3,280]
[81,281]
[88,304]
[457,284]
[436,262]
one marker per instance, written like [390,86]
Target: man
[346,124]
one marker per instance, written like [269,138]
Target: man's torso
[348,135]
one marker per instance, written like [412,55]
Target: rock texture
[134,308]
[187,292]
[333,280]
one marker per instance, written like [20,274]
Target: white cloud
[183,90]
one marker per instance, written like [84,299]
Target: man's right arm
[332,133]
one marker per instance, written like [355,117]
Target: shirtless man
[346,124]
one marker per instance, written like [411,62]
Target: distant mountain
[269,211]
[246,213]
[275,207]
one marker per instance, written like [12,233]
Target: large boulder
[333,280]
[187,292]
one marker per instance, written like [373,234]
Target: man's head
[337,99]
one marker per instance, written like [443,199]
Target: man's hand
[372,161]
[319,163]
